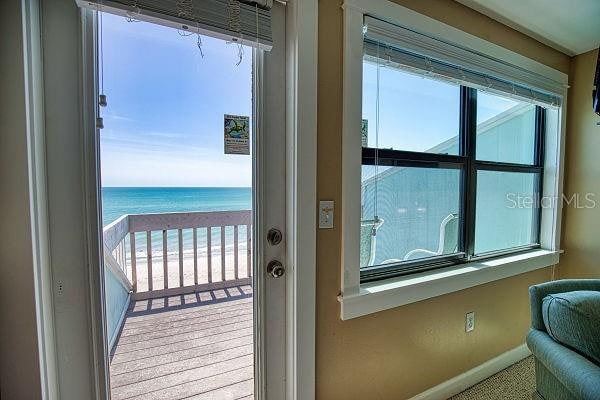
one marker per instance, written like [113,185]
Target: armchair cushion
[573,319]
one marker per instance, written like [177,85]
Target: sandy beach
[188,268]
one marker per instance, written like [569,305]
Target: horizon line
[176,187]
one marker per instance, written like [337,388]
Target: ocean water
[117,201]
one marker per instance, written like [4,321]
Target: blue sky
[164,120]
[417,113]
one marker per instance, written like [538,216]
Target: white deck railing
[209,263]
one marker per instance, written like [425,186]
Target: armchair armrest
[538,292]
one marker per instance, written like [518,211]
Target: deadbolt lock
[274,236]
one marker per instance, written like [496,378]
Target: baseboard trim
[464,381]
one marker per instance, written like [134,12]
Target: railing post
[133,262]
[149,255]
[209,253]
[180,238]
[123,256]
[223,254]
[235,251]
[195,244]
[117,254]
[165,261]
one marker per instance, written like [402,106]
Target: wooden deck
[195,346]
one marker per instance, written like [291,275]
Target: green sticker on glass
[237,135]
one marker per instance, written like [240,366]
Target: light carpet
[516,382]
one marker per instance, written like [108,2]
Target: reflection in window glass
[505,210]
[415,113]
[408,213]
[505,129]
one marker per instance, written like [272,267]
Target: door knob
[275,269]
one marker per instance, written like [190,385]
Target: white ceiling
[571,26]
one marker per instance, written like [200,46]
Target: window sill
[382,295]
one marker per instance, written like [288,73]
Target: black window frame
[469,165]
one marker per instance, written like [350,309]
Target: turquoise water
[117,201]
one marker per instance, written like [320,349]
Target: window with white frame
[452,164]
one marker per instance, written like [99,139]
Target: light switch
[326,214]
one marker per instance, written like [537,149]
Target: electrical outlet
[470,321]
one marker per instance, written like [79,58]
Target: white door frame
[301,112]
[92,204]
[301,170]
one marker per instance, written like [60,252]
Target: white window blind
[399,47]
[245,22]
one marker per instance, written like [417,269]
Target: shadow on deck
[194,346]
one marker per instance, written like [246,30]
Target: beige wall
[19,365]
[398,353]
[580,236]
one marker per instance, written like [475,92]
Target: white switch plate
[326,214]
[470,321]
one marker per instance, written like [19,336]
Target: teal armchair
[565,368]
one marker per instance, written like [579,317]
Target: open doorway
[177,211]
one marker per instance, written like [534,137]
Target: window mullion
[540,129]
[468,132]
[390,157]
[506,167]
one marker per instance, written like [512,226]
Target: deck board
[193,321]
[184,337]
[199,327]
[197,346]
